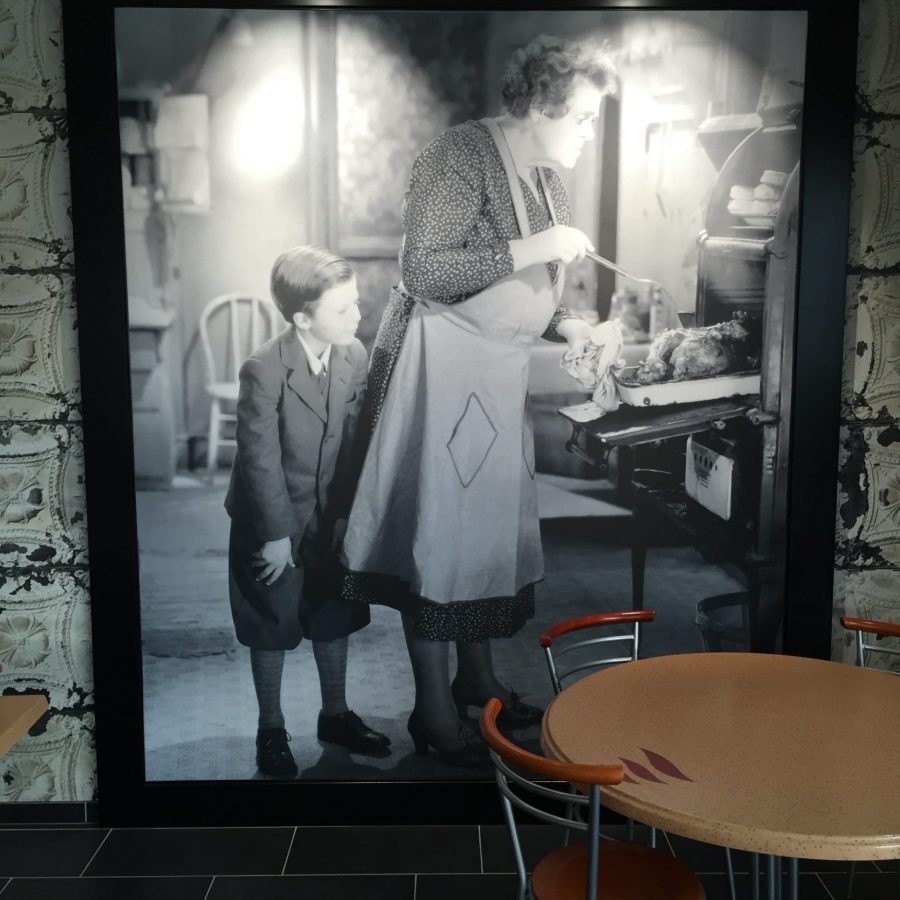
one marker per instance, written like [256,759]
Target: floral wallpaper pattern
[867,540]
[44,592]
[45,640]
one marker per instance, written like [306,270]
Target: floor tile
[537,841]
[716,888]
[56,851]
[866,885]
[42,814]
[315,887]
[107,889]
[399,849]
[472,887]
[834,865]
[193,851]
[703,857]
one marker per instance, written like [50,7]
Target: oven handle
[762,417]
[572,445]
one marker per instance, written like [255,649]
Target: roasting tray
[664,393]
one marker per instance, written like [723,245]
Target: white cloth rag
[594,363]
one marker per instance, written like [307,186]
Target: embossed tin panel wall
[44,598]
[45,642]
[867,551]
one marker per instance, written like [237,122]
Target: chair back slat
[554,651]
[624,617]
[255,314]
[535,787]
[865,649]
[241,323]
[538,812]
[639,873]
[540,765]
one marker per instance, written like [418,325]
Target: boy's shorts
[302,603]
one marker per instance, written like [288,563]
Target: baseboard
[64,813]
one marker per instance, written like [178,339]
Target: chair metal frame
[504,755]
[263,320]
[880,629]
[597,620]
[872,626]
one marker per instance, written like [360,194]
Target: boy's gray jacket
[293,449]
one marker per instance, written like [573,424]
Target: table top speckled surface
[766,753]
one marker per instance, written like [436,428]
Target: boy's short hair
[302,274]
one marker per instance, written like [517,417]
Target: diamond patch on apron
[473,436]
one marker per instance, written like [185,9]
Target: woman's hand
[271,559]
[606,332]
[558,243]
[577,333]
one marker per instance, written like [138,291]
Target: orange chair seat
[626,872]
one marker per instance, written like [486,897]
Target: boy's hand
[270,560]
[340,529]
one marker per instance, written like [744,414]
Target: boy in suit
[299,400]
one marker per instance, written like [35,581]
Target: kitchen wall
[254,215]
[44,591]
[867,536]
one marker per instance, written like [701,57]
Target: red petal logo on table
[666,766]
[660,763]
[639,770]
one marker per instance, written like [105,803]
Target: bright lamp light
[268,127]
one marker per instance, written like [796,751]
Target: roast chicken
[679,354]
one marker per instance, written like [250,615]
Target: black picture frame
[125,798]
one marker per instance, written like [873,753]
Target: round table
[779,755]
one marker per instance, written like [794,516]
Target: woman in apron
[444,526]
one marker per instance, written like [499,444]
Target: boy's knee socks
[267,667]
[331,661]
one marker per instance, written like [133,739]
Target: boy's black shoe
[349,730]
[273,757]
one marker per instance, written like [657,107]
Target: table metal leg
[754,875]
[771,869]
[730,872]
[794,878]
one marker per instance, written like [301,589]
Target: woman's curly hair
[541,75]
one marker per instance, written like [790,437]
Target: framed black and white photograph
[412,337]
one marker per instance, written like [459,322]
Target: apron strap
[547,195]
[512,175]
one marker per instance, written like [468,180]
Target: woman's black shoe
[349,730]
[515,713]
[273,756]
[470,750]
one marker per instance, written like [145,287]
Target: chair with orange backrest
[864,651]
[583,662]
[558,643]
[579,871]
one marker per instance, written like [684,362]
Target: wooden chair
[881,630]
[18,712]
[562,669]
[247,322]
[580,871]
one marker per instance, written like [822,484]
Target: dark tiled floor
[415,863]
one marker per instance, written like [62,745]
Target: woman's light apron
[447,499]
